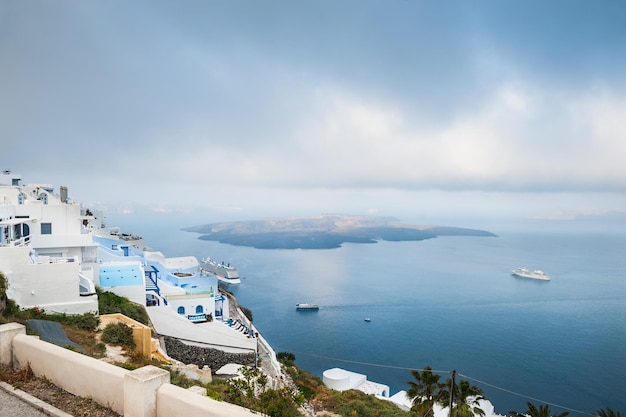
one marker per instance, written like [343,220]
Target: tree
[4,284]
[608,412]
[466,398]
[426,391]
[533,411]
[286,358]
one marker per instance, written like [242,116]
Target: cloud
[522,138]
[326,102]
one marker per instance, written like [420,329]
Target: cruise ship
[307,306]
[224,272]
[526,273]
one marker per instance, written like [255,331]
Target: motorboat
[527,273]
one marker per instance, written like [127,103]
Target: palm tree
[533,411]
[608,412]
[426,391]
[466,399]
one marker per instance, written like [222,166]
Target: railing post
[7,333]
[140,390]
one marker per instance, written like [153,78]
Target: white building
[54,253]
[182,300]
[342,380]
[46,251]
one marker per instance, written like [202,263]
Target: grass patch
[110,303]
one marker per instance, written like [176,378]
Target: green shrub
[181,380]
[118,333]
[4,284]
[277,403]
[11,308]
[110,303]
[287,358]
[87,321]
[128,365]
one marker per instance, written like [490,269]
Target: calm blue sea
[448,302]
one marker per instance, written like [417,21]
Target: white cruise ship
[526,273]
[224,272]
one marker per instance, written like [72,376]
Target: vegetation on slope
[111,303]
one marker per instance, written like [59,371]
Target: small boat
[307,306]
[526,273]
[367,319]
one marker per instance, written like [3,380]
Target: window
[199,310]
[46,228]
[181,310]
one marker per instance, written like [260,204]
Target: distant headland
[327,231]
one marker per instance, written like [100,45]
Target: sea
[450,303]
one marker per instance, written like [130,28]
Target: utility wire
[379,365]
[447,372]
[525,396]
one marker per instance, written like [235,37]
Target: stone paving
[14,402]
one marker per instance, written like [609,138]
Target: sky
[253,108]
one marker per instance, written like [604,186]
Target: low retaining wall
[144,392]
[203,356]
[73,372]
[175,401]
[141,332]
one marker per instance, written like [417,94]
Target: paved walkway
[14,402]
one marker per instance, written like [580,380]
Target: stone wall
[201,356]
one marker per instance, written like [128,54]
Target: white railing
[44,259]
[19,242]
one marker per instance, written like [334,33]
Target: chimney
[63,191]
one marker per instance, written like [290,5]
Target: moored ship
[307,306]
[526,273]
[224,272]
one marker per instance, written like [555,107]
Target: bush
[100,348]
[4,284]
[118,333]
[287,358]
[110,303]
[11,308]
[87,321]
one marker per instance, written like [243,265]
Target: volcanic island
[327,231]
